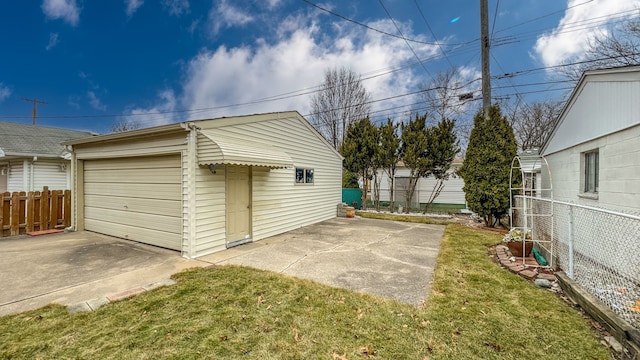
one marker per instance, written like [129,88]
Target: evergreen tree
[487,164]
[389,155]
[442,147]
[414,146]
[358,149]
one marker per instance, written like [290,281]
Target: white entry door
[238,205]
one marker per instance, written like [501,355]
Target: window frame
[308,176]
[590,174]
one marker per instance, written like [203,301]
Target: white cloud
[5,92]
[176,7]
[53,41]
[297,60]
[66,10]
[570,38]
[95,102]
[132,6]
[226,15]
[158,114]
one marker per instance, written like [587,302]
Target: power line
[381,31]
[432,33]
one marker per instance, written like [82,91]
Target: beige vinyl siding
[137,198]
[210,213]
[278,204]
[157,144]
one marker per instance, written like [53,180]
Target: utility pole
[35,107]
[484,43]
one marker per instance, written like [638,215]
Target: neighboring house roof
[23,140]
[603,102]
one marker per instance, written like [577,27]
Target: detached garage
[202,186]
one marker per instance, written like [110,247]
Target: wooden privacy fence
[23,212]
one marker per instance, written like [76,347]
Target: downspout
[71,183]
[32,169]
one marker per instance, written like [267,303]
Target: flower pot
[515,247]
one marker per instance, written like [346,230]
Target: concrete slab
[385,258]
[84,270]
[75,267]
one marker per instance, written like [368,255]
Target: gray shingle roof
[32,140]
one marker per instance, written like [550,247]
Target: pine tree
[487,164]
[414,146]
[388,155]
[358,150]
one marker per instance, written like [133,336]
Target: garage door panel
[137,198]
[164,191]
[148,236]
[139,219]
[128,176]
[135,205]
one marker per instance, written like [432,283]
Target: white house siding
[452,192]
[278,204]
[619,172]
[16,180]
[50,173]
[604,104]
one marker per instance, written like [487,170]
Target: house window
[304,176]
[591,172]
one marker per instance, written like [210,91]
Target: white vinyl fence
[598,248]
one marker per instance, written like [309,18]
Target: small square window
[591,170]
[304,176]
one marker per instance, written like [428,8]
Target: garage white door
[137,198]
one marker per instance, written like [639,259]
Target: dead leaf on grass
[260,300]
[337,356]
[296,334]
[367,350]
[169,336]
[223,338]
[494,346]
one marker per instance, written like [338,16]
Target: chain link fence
[597,248]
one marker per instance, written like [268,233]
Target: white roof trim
[229,151]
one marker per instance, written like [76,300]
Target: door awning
[217,149]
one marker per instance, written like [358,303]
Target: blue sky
[155,62]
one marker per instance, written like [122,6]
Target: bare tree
[443,97]
[618,47]
[124,125]
[341,101]
[533,123]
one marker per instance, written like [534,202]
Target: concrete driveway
[68,268]
[387,258]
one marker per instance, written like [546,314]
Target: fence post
[570,270]
[31,211]
[44,206]
[15,213]
[2,214]
[53,214]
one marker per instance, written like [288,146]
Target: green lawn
[477,310]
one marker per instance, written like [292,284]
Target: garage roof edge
[130,134]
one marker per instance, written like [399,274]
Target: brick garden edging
[529,268]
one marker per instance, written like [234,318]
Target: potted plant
[515,240]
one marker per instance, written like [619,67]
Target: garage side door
[137,198]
